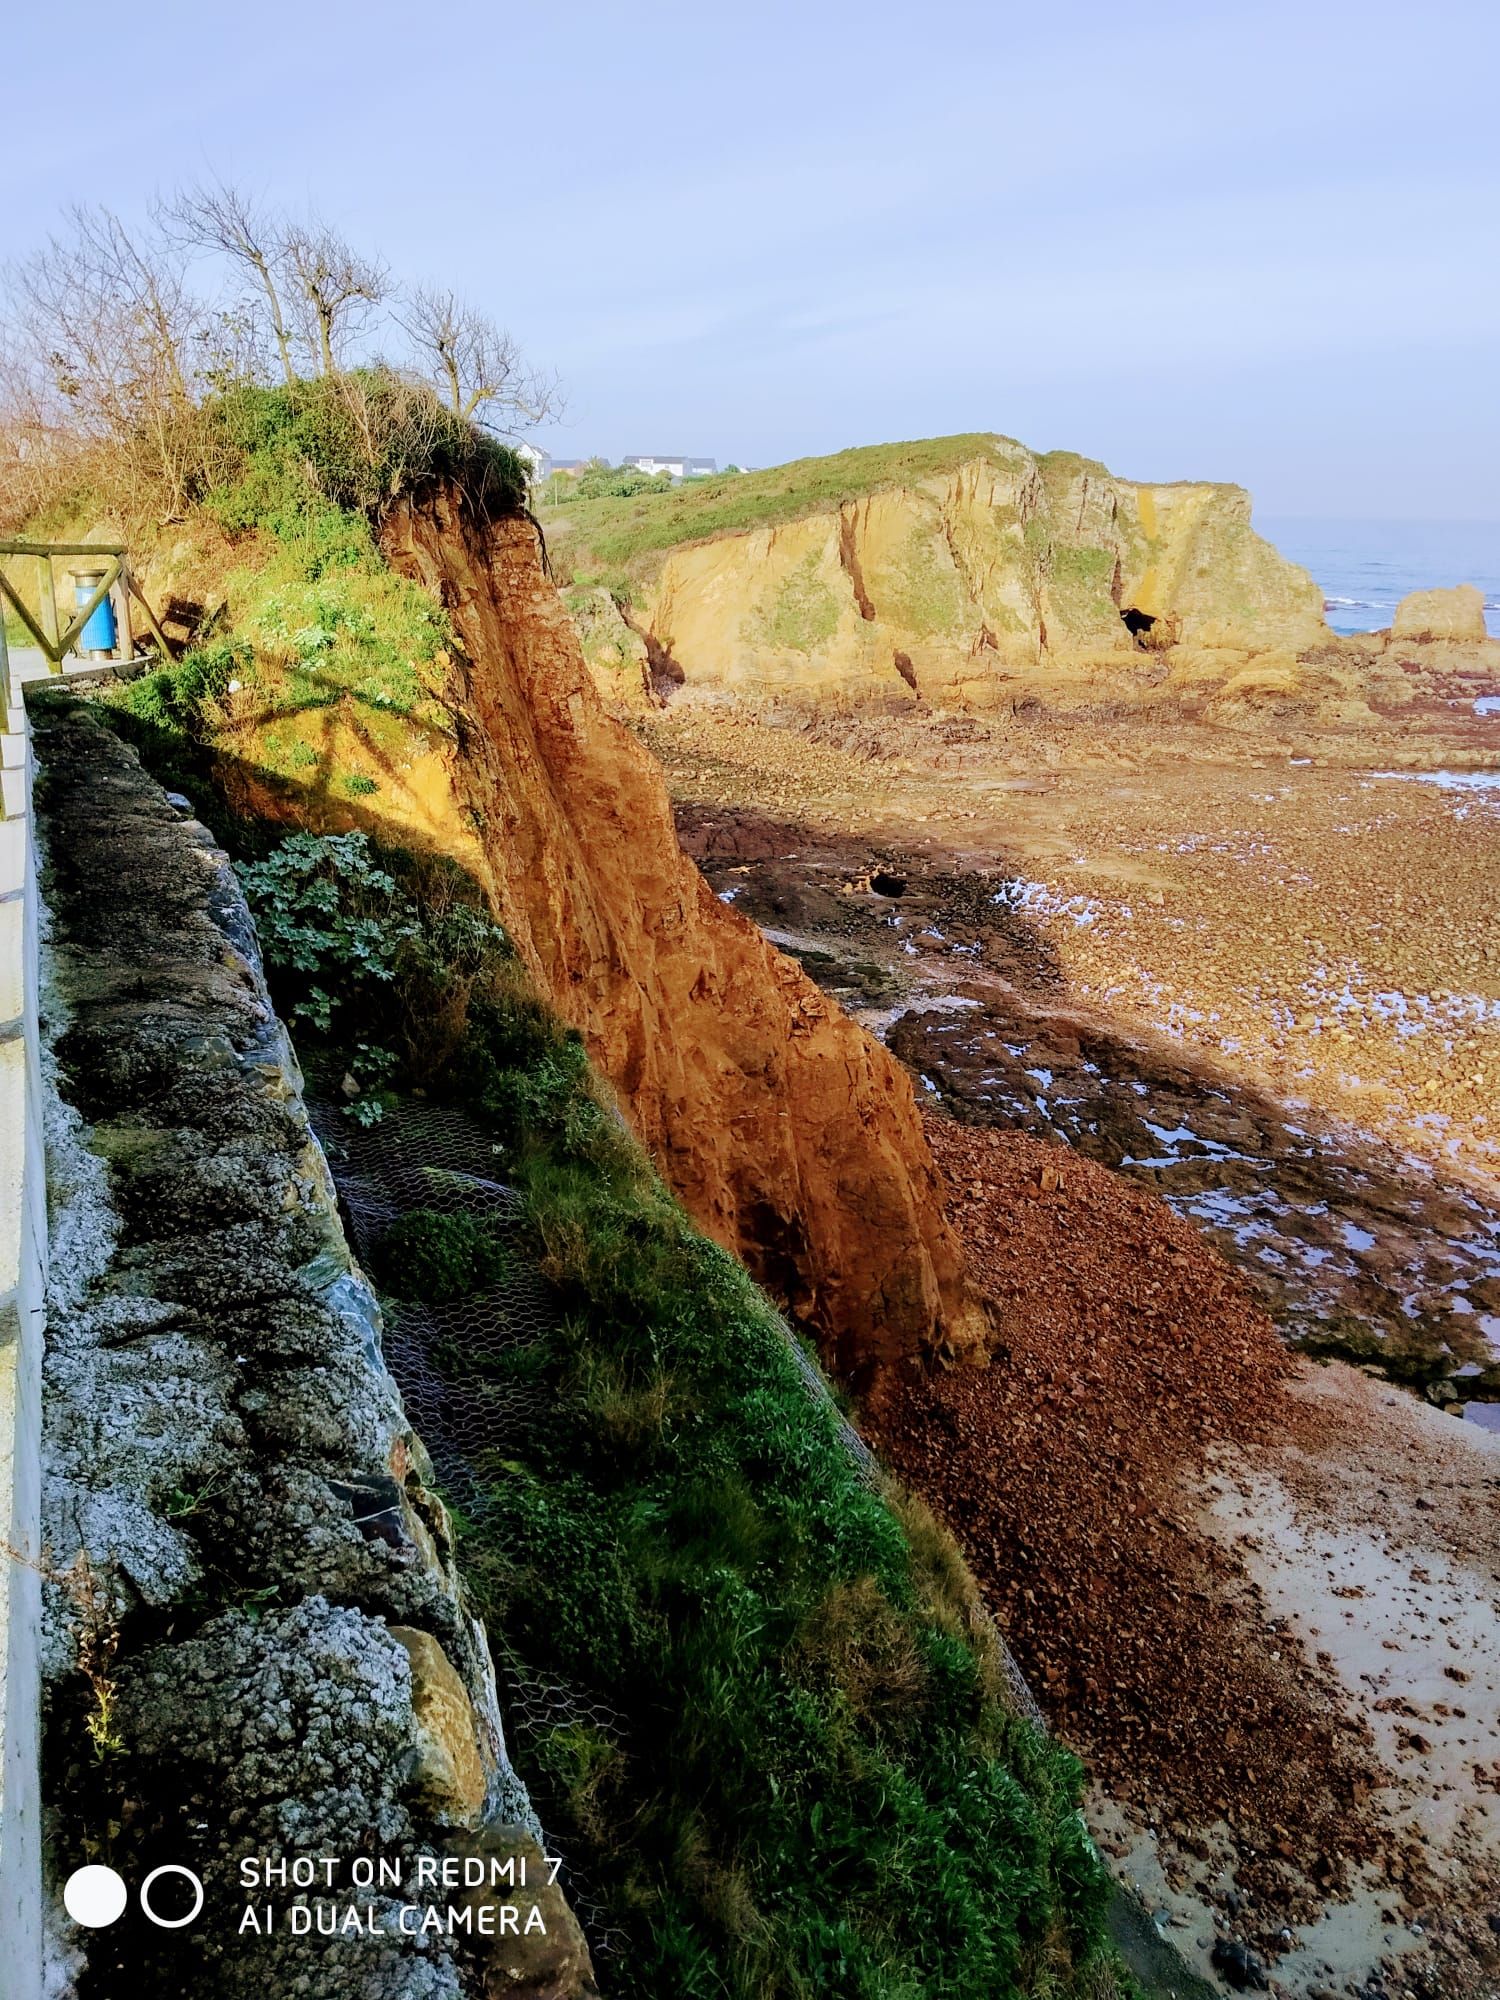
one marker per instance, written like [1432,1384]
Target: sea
[1367,567]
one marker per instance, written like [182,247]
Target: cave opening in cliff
[1139,624]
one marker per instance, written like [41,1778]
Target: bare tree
[336,290]
[111,354]
[217,216]
[40,452]
[479,368]
[109,336]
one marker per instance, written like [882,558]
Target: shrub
[354,440]
[355,950]
[175,701]
[435,1258]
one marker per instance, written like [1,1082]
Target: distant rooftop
[677,463]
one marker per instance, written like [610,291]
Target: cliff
[788,1133]
[947,573]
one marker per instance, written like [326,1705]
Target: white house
[679,468]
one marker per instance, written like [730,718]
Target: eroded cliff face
[955,586]
[788,1133]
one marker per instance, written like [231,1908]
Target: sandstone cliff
[789,1134]
[956,583]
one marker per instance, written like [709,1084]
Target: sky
[1253,241]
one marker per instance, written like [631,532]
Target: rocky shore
[1207,1042]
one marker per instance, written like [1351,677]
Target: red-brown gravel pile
[1130,1348]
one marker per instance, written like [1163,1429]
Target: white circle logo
[172,1923]
[94,1896]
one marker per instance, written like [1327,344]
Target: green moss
[1078,588]
[920,591]
[804,613]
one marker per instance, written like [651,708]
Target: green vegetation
[1078,587]
[314,618]
[387,947]
[433,1257]
[353,440]
[306,469]
[922,591]
[617,533]
[805,613]
[776,1746]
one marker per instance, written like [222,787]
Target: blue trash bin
[100,635]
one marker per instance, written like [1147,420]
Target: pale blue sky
[1254,240]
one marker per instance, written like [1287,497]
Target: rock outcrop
[789,1134]
[1010,565]
[1456,614]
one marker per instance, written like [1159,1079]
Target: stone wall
[257,1642]
[23,1255]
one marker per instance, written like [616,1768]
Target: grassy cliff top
[616,531]
[618,536]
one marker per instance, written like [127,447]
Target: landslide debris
[1066,1470]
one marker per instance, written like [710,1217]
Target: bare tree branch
[337,289]
[218,216]
[480,370]
[109,334]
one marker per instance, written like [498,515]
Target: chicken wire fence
[427,1156]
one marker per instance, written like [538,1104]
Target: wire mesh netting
[424,1156]
[433,1159]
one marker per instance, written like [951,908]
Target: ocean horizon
[1365,568]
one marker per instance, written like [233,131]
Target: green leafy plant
[329,917]
[382,967]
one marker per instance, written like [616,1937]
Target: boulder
[533,1947]
[1441,614]
[450,1772]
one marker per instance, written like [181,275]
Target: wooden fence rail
[54,644]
